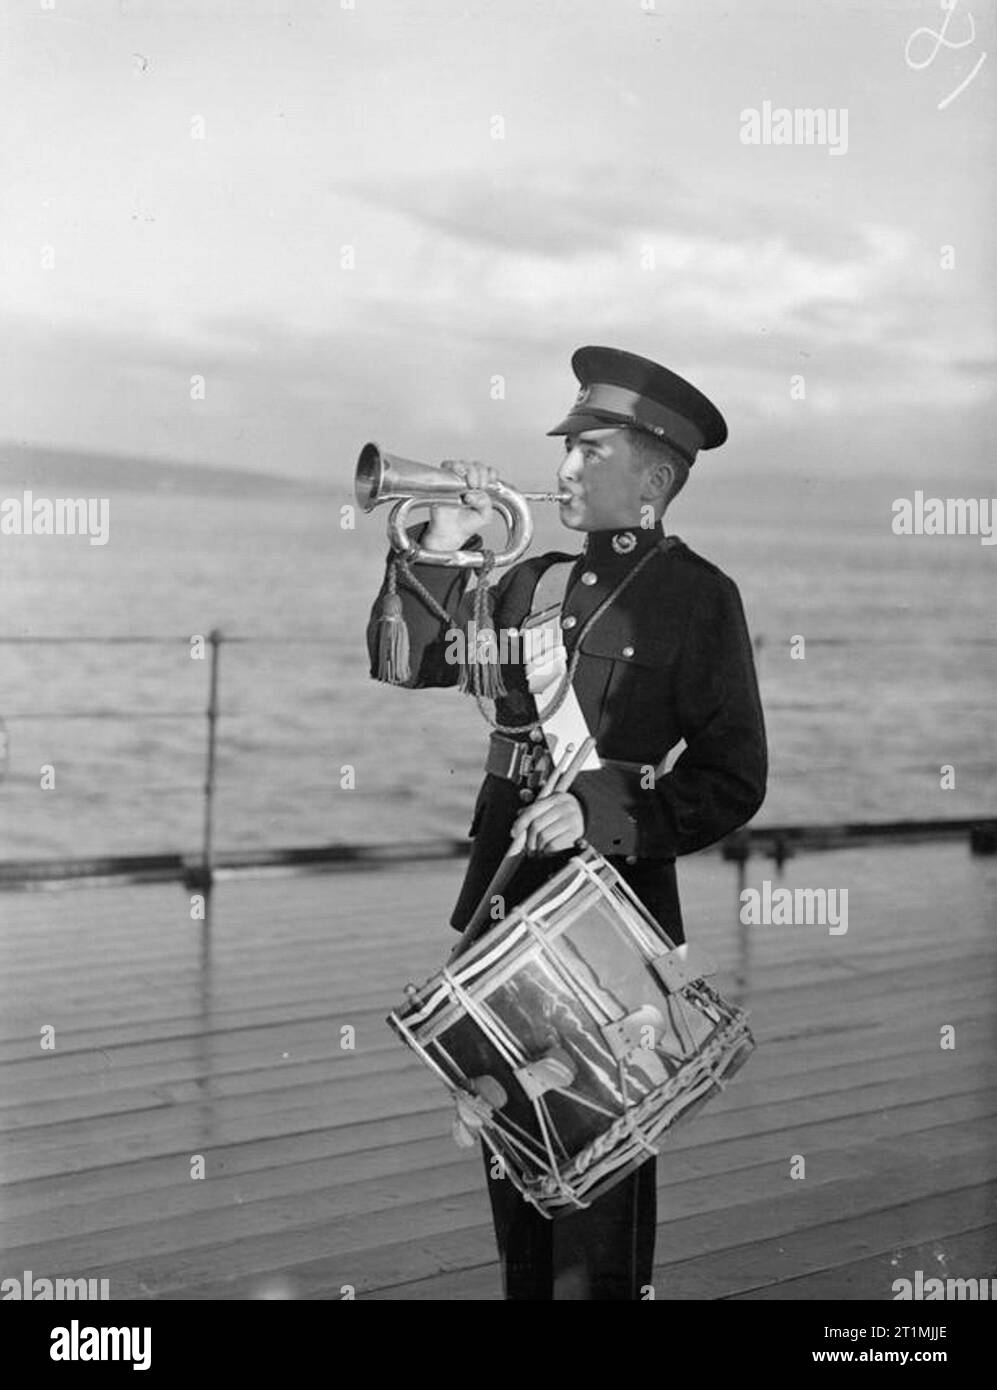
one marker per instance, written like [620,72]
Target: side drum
[573,1035]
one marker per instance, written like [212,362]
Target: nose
[570,467]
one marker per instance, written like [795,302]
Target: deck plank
[336,1076]
[329,1167]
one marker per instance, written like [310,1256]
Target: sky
[396,220]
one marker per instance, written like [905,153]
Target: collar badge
[624,542]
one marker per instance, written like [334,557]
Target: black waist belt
[520,762]
[531,762]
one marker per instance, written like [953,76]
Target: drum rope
[482,1018]
[543,1119]
[518,1138]
[605,1155]
[599,1159]
[571,980]
[686,1086]
[420,1050]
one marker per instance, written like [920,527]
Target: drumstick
[560,779]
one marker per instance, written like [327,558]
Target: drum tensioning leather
[573,1035]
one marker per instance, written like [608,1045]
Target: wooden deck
[327,1167]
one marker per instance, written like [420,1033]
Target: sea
[885,711]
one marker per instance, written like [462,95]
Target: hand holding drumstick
[554,822]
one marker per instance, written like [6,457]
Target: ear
[658,481]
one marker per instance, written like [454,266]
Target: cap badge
[624,542]
[583,395]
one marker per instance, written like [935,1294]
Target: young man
[663,675]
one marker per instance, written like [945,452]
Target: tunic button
[536,735]
[568,622]
[631,859]
[628,652]
[526,795]
[589,578]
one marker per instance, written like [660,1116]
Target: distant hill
[60,471]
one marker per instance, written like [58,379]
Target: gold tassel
[393,639]
[481,673]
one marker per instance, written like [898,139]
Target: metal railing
[196,872]
[200,870]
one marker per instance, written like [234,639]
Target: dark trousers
[603,1252]
[607,1250]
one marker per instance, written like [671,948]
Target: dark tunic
[671,659]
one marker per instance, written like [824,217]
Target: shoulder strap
[548,596]
[546,665]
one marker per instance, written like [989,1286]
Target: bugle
[382,477]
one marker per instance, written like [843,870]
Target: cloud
[447,297]
[579,209]
[733,297]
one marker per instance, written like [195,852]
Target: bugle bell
[382,477]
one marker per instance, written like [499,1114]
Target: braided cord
[565,682]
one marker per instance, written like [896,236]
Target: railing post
[215,638]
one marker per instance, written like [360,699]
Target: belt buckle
[533,766]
